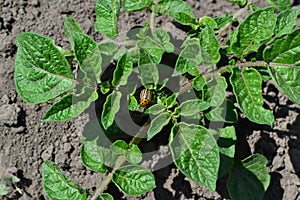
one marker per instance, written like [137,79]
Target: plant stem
[189,84]
[152,22]
[119,162]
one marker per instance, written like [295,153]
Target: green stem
[189,84]
[120,161]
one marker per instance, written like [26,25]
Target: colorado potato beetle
[145,97]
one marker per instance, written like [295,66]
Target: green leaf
[119,147]
[256,28]
[155,109]
[88,56]
[210,43]
[162,39]
[107,48]
[223,20]
[70,27]
[286,79]
[134,180]
[225,113]
[286,21]
[189,58]
[280,4]
[257,165]
[247,89]
[178,9]
[132,105]
[84,45]
[149,74]
[57,186]
[136,5]
[171,100]
[122,72]
[105,196]
[133,155]
[110,108]
[198,83]
[284,50]
[240,2]
[150,51]
[157,124]
[107,16]
[249,178]
[195,153]
[226,143]
[216,91]
[207,21]
[191,107]
[71,105]
[95,157]
[41,71]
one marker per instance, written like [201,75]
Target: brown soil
[25,142]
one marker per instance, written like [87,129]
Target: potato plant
[264,46]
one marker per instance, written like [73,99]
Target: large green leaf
[71,105]
[286,21]
[256,28]
[158,123]
[57,186]
[41,71]
[110,108]
[107,16]
[134,180]
[136,5]
[285,51]
[280,4]
[249,178]
[195,153]
[178,9]
[123,70]
[95,157]
[248,92]
[88,56]
[210,43]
